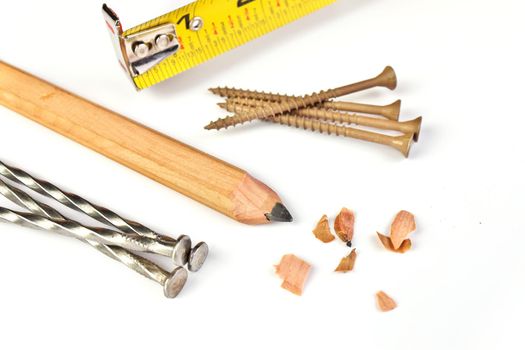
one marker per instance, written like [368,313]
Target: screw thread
[249,94]
[311,125]
[401,143]
[270,110]
[390,111]
[240,107]
[411,126]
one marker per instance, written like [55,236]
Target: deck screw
[407,127]
[390,111]
[386,79]
[401,143]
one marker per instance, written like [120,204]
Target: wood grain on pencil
[215,183]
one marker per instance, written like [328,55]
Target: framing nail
[177,249]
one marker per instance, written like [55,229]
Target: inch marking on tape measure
[182,39]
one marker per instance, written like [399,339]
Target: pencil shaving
[347,263]
[322,230]
[344,225]
[384,302]
[402,226]
[294,272]
[387,243]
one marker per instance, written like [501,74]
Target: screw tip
[279,214]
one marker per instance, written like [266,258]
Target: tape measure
[184,38]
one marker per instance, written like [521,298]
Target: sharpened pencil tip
[279,214]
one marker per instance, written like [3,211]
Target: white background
[459,64]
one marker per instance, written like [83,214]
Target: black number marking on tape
[241,3]
[186,18]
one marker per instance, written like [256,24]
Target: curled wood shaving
[322,230]
[347,263]
[384,302]
[294,272]
[402,226]
[387,243]
[344,225]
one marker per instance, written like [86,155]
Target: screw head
[162,41]
[196,24]
[140,49]
[175,282]
[181,251]
[198,256]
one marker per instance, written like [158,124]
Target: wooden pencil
[206,179]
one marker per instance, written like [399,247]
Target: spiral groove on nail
[46,218]
[77,203]
[156,243]
[72,228]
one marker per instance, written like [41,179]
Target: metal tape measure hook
[141,51]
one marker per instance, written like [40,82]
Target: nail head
[198,256]
[175,282]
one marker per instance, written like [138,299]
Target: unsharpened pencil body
[215,183]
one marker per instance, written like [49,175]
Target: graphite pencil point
[280,214]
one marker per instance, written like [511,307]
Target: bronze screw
[390,111]
[249,94]
[407,127]
[387,79]
[411,126]
[401,143]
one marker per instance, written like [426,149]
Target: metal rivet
[162,41]
[140,49]
[196,24]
